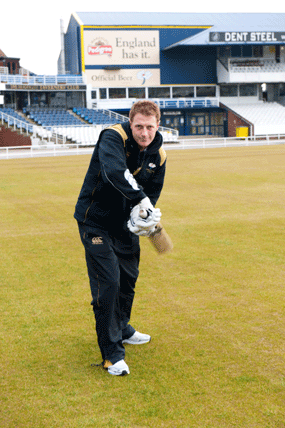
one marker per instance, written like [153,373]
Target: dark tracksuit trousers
[113,272]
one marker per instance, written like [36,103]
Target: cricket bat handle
[159,238]
[143,213]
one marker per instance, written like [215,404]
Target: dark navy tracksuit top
[119,177]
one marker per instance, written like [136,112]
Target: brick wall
[235,121]
[10,138]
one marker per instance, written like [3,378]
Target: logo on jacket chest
[151,167]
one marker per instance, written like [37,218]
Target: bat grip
[143,213]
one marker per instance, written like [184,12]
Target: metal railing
[213,142]
[112,114]
[18,79]
[42,135]
[187,103]
[22,126]
[52,149]
[264,65]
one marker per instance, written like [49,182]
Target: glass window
[159,92]
[22,99]
[57,100]
[93,95]
[224,51]
[117,93]
[217,118]
[9,99]
[206,91]
[74,99]
[228,90]
[246,51]
[39,99]
[257,51]
[136,92]
[236,51]
[103,93]
[282,89]
[247,90]
[183,92]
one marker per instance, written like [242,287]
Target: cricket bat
[159,238]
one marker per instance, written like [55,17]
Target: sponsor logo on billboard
[100,47]
[144,75]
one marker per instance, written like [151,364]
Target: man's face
[144,129]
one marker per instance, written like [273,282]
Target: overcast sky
[30,30]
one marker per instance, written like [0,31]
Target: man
[126,174]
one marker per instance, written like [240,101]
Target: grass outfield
[214,306]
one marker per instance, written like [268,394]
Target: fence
[206,143]
[18,79]
[79,149]
[187,103]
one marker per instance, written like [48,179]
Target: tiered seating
[15,119]
[102,118]
[267,118]
[80,134]
[60,123]
[52,124]
[97,117]
[52,117]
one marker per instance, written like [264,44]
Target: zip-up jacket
[119,177]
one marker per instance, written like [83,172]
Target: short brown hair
[147,108]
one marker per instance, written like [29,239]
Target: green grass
[214,306]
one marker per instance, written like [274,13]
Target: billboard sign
[101,78]
[247,36]
[120,47]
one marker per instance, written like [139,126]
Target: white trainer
[120,368]
[137,339]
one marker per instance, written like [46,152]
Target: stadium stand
[213,75]
[60,126]
[267,118]
[85,135]
[14,119]
[51,117]
[13,114]
[99,117]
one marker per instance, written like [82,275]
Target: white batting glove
[134,216]
[143,219]
[147,218]
[148,214]
[145,232]
[145,204]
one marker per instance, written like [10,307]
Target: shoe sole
[130,342]
[124,373]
